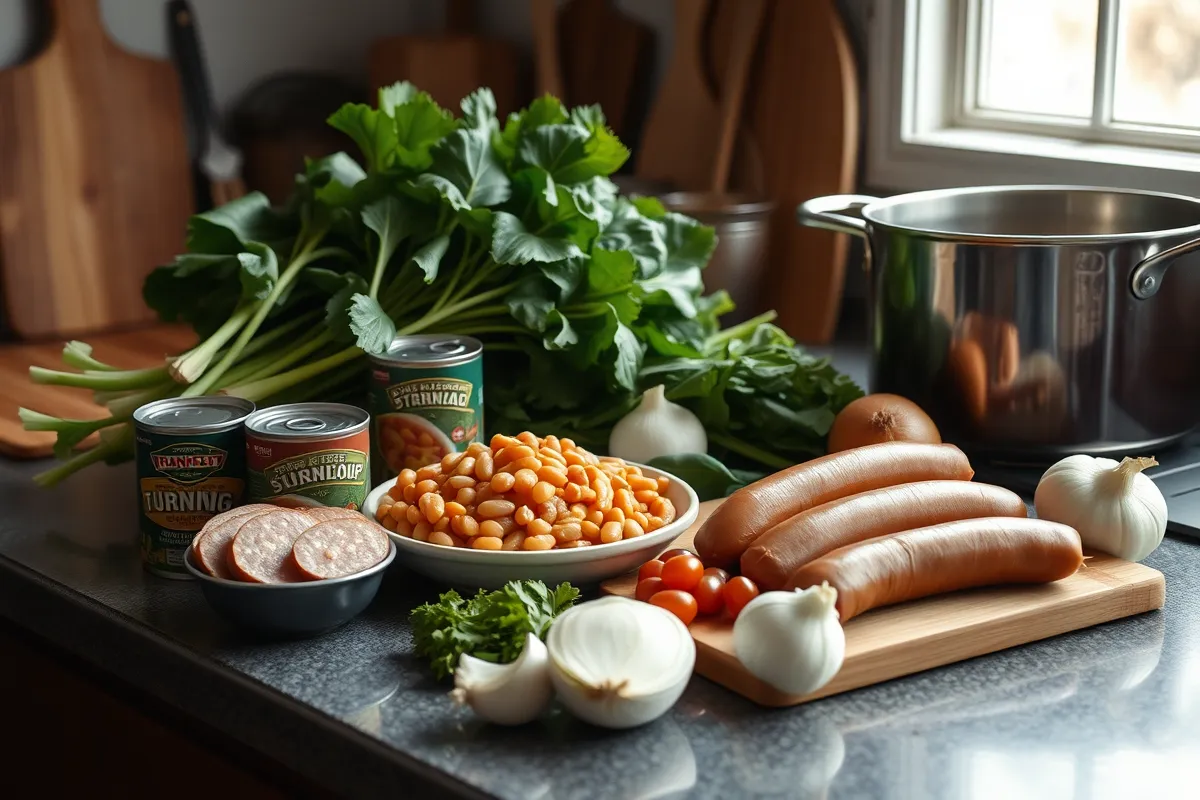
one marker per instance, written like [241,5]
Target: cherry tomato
[648,588]
[679,603]
[678,551]
[708,594]
[651,569]
[737,593]
[682,572]
[718,573]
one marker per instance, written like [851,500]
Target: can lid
[193,414]
[307,420]
[432,350]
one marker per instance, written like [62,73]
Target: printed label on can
[422,415]
[181,485]
[330,472]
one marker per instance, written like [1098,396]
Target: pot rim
[870,210]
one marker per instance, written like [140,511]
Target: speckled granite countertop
[1112,711]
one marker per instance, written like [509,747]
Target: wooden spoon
[744,39]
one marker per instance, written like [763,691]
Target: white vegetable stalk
[506,694]
[1116,509]
[657,427]
[619,663]
[791,640]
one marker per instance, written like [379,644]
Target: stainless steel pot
[1027,320]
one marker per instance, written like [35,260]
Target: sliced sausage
[943,558]
[340,547]
[794,542]
[326,513]
[261,551]
[225,516]
[210,548]
[752,510]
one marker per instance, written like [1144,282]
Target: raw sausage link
[943,558]
[261,551]
[340,547]
[752,510]
[794,542]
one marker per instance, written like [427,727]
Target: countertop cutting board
[146,347]
[95,185]
[892,642]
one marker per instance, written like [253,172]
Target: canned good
[191,464]
[427,400]
[309,454]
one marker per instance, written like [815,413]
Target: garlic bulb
[619,663]
[791,640]
[506,694]
[657,427]
[1115,508]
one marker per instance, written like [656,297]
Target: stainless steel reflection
[1027,320]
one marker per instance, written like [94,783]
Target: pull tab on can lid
[299,421]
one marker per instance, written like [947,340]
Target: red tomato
[679,603]
[718,573]
[708,594]
[737,593]
[651,569]
[647,588]
[682,572]
[678,551]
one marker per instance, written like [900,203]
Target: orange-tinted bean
[553,443]
[465,496]
[538,542]
[475,448]
[541,491]
[406,478]
[577,474]
[484,466]
[632,529]
[427,473]
[576,543]
[572,492]
[567,532]
[573,458]
[533,463]
[486,543]
[523,516]
[450,460]
[404,527]
[640,518]
[490,527]
[410,493]
[413,514]
[453,509]
[548,511]
[611,532]
[490,509]
[511,454]
[421,531]
[398,511]
[561,505]
[442,524]
[513,541]
[468,526]
[538,527]
[630,469]
[645,495]
[662,507]
[624,501]
[485,492]
[524,480]
[442,538]
[640,483]
[500,441]
[590,529]
[663,485]
[579,511]
[596,517]
[426,486]
[388,522]
[653,523]
[466,466]
[567,444]
[433,507]
[461,482]
[552,457]
[614,515]
[587,494]
[528,438]
[555,477]
[502,482]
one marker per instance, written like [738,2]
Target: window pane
[1039,56]
[1158,62]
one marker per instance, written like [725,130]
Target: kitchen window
[1100,92]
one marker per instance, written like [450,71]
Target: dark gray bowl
[291,609]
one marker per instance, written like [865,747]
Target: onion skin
[879,418]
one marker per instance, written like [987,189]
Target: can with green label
[309,454]
[191,465]
[427,400]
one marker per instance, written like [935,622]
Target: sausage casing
[943,558]
[809,535]
[752,510]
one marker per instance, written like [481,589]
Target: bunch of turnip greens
[509,232]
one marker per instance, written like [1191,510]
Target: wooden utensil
[95,187]
[802,109]
[145,347]
[544,16]
[605,58]
[680,137]
[452,65]
[911,637]
[744,40]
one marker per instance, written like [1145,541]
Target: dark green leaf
[610,271]
[393,219]
[589,117]
[371,325]
[478,222]
[429,188]
[568,275]
[689,243]
[650,207]
[374,133]
[512,244]
[259,271]
[531,302]
[479,110]
[644,238]
[559,333]
[465,158]
[570,153]
[337,308]
[420,124]
[334,179]
[429,256]
[628,358]
[546,110]
[226,229]
[706,475]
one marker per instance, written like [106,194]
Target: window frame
[927,132]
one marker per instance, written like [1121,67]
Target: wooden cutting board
[146,347]
[95,185]
[892,642]
[802,107]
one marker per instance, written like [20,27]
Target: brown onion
[879,418]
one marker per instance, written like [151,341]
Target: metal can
[427,400]
[191,465]
[309,454]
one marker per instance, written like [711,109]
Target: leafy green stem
[100,381]
[719,338]
[189,366]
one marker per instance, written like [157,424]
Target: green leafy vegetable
[490,626]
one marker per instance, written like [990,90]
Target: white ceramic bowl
[491,569]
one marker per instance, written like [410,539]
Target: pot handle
[821,212]
[1147,276]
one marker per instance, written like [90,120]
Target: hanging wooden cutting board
[95,186]
[137,349]
[802,108]
[605,58]
[911,637]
